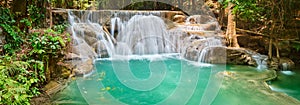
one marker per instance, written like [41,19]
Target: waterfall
[208,51]
[131,33]
[261,60]
[90,40]
[284,66]
[146,35]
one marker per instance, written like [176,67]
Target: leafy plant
[246,9]
[35,16]
[13,38]
[49,43]
[296,46]
[19,80]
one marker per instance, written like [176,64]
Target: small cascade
[261,60]
[90,40]
[204,40]
[146,35]
[208,50]
[284,66]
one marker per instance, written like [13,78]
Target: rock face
[289,56]
[79,65]
[281,64]
[224,55]
[240,56]
[83,67]
[89,42]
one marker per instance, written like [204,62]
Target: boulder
[85,29]
[240,56]
[85,50]
[286,64]
[221,55]
[179,19]
[52,87]
[100,49]
[90,40]
[83,67]
[200,19]
[72,56]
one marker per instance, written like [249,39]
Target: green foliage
[60,28]
[6,16]
[47,44]
[246,9]
[24,65]
[13,38]
[19,80]
[14,34]
[35,16]
[296,46]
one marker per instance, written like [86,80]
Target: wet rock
[85,30]
[179,19]
[220,55]
[200,19]
[83,67]
[65,69]
[192,52]
[90,40]
[210,27]
[286,64]
[240,56]
[42,99]
[84,48]
[52,87]
[72,56]
[100,49]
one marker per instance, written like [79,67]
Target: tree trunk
[231,28]
[179,4]
[277,50]
[193,4]
[270,48]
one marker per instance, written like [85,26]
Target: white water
[209,44]
[84,32]
[139,33]
[144,33]
[261,60]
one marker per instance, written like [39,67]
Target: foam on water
[281,90]
[288,72]
[154,57]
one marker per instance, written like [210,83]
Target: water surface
[171,81]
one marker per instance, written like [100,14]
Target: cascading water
[146,35]
[90,40]
[128,81]
[137,33]
[146,32]
[209,44]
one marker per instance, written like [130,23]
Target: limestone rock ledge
[226,55]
